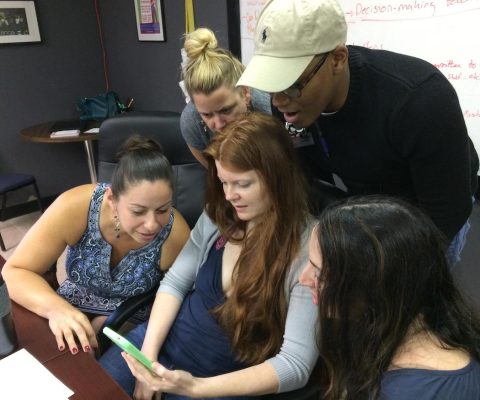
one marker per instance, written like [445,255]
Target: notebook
[67,128]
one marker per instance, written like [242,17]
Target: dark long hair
[254,314]
[140,159]
[384,270]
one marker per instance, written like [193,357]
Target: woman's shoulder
[189,116]
[426,384]
[301,258]
[205,222]
[261,101]
[177,238]
[180,229]
[204,233]
[423,351]
[310,223]
[191,127]
[75,199]
[67,215]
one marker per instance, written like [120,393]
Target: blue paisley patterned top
[91,285]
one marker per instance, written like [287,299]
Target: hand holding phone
[128,347]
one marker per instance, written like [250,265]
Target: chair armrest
[123,312]
[51,276]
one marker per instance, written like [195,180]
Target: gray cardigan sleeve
[299,352]
[180,278]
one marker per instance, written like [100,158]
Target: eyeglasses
[295,90]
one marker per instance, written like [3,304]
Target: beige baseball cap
[289,33]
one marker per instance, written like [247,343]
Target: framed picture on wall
[18,22]
[149,20]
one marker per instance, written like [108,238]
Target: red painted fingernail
[60,348]
[86,349]
[74,350]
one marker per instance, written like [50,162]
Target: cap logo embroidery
[264,35]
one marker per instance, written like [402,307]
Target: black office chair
[189,179]
[163,127]
[11,182]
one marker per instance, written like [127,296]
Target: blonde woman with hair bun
[210,77]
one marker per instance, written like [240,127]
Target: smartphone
[125,345]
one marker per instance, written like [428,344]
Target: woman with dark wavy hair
[232,312]
[394,325]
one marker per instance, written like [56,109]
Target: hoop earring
[116,228]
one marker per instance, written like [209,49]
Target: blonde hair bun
[208,66]
[199,41]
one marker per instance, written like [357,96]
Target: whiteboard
[444,32]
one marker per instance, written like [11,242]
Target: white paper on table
[24,377]
[65,133]
[92,130]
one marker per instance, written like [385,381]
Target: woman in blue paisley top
[120,239]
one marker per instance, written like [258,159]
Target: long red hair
[254,314]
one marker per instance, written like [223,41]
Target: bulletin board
[444,32]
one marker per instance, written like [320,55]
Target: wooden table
[41,133]
[80,372]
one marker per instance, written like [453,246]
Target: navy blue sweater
[401,132]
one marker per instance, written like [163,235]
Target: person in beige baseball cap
[289,35]
[365,121]
[296,38]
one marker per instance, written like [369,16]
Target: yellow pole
[189,16]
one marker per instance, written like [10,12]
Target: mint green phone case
[125,345]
